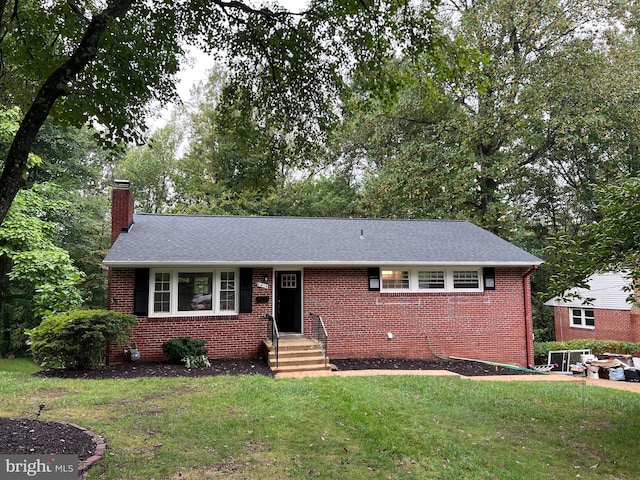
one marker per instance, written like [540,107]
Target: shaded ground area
[19,436]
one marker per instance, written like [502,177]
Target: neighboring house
[385,288]
[600,312]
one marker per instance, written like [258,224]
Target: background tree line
[519,116]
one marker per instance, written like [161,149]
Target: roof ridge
[293,217]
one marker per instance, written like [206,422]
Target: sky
[197,64]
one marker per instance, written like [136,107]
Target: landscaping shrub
[79,339]
[186,350]
[598,347]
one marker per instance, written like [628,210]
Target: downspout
[528,325]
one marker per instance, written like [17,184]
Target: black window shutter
[141,292]
[246,293]
[374,279]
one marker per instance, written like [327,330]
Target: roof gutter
[303,263]
[528,314]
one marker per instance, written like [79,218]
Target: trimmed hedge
[79,339]
[598,347]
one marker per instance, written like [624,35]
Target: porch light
[374,279]
[489,278]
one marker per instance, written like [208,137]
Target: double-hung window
[193,292]
[425,279]
[162,292]
[228,295]
[582,317]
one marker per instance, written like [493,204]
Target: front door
[288,302]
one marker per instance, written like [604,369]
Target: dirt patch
[229,469]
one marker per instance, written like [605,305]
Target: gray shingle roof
[193,239]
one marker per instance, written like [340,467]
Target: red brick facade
[491,325]
[622,325]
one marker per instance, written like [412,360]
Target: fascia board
[249,263]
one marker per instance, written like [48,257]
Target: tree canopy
[106,62]
[609,245]
[516,105]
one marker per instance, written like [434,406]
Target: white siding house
[607,292]
[602,312]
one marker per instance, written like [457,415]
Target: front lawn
[256,427]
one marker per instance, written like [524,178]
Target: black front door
[288,302]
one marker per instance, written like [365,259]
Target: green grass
[254,427]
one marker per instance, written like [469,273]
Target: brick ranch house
[606,316]
[384,288]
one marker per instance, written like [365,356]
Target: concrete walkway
[552,377]
[555,377]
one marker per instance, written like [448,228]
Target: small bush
[598,347]
[186,351]
[79,339]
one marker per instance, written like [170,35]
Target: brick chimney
[121,208]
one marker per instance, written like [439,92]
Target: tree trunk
[5,334]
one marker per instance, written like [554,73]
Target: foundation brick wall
[491,325]
[621,325]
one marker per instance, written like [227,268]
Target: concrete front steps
[296,354]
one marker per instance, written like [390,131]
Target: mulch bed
[20,436]
[34,437]
[161,369]
[463,367]
[260,367]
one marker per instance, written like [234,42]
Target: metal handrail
[273,335]
[319,334]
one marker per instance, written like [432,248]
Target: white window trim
[582,323]
[448,280]
[173,292]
